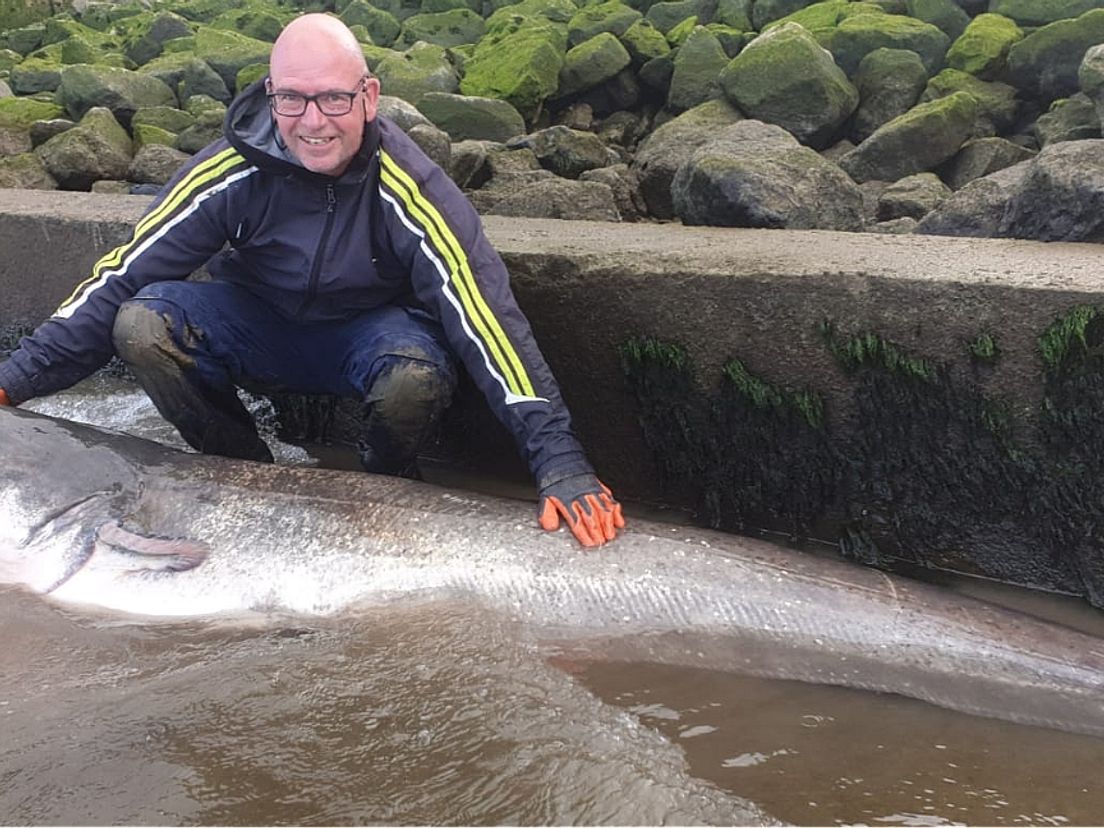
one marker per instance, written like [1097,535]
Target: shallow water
[442,713]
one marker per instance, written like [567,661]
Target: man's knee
[409,391]
[146,335]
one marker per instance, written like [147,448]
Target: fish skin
[299,540]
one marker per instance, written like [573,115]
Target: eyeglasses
[292,104]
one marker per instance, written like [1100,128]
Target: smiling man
[343,261]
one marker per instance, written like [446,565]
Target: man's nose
[313,115]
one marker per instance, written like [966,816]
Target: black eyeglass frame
[306,100]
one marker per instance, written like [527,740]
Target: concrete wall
[768,299]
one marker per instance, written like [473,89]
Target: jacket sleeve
[436,233]
[184,226]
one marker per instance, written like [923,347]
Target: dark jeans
[191,344]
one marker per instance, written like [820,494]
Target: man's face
[324,143]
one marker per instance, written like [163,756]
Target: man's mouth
[314,142]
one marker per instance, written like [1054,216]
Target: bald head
[319,38]
[321,92]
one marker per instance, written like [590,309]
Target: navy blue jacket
[392,229]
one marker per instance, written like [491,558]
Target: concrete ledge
[765,298]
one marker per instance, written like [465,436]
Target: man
[350,264]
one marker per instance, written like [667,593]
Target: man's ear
[371,98]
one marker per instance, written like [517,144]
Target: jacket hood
[250,129]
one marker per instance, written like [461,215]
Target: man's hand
[587,506]
[4,397]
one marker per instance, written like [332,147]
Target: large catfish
[117,522]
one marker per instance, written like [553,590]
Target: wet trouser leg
[191,344]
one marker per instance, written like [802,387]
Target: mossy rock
[890,82]
[732,40]
[468,118]
[767,11]
[668,14]
[20,113]
[97,148]
[522,67]
[120,90]
[421,68]
[229,52]
[167,118]
[679,34]
[734,13]
[383,26]
[982,49]
[698,65]
[146,134]
[505,20]
[10,58]
[187,75]
[434,6]
[857,36]
[35,75]
[260,24]
[203,11]
[1044,64]
[249,74]
[826,15]
[591,63]
[1042,12]
[1068,119]
[997,103]
[17,13]
[612,16]
[24,39]
[450,28]
[918,141]
[25,171]
[946,15]
[784,77]
[644,42]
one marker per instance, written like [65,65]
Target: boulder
[754,174]
[1090,76]
[522,67]
[1042,12]
[625,186]
[188,76]
[978,209]
[155,164]
[982,49]
[420,69]
[913,196]
[168,118]
[97,148]
[35,75]
[207,128]
[946,15]
[592,63]
[1061,198]
[1045,63]
[644,41]
[404,114]
[857,36]
[120,90]
[145,135]
[981,157]
[997,106]
[566,152]
[229,52]
[448,28]
[734,13]
[433,142]
[918,141]
[25,171]
[612,16]
[558,198]
[1068,119]
[698,64]
[767,11]
[889,83]
[382,26]
[784,77]
[43,131]
[661,154]
[465,117]
[468,163]
[17,117]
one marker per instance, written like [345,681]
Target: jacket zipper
[319,253]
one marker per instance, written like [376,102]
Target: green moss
[1066,338]
[646,349]
[984,348]
[871,351]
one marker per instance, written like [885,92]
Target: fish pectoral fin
[150,552]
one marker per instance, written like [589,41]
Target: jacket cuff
[15,383]
[560,468]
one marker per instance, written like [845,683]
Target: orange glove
[586,504]
[4,397]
